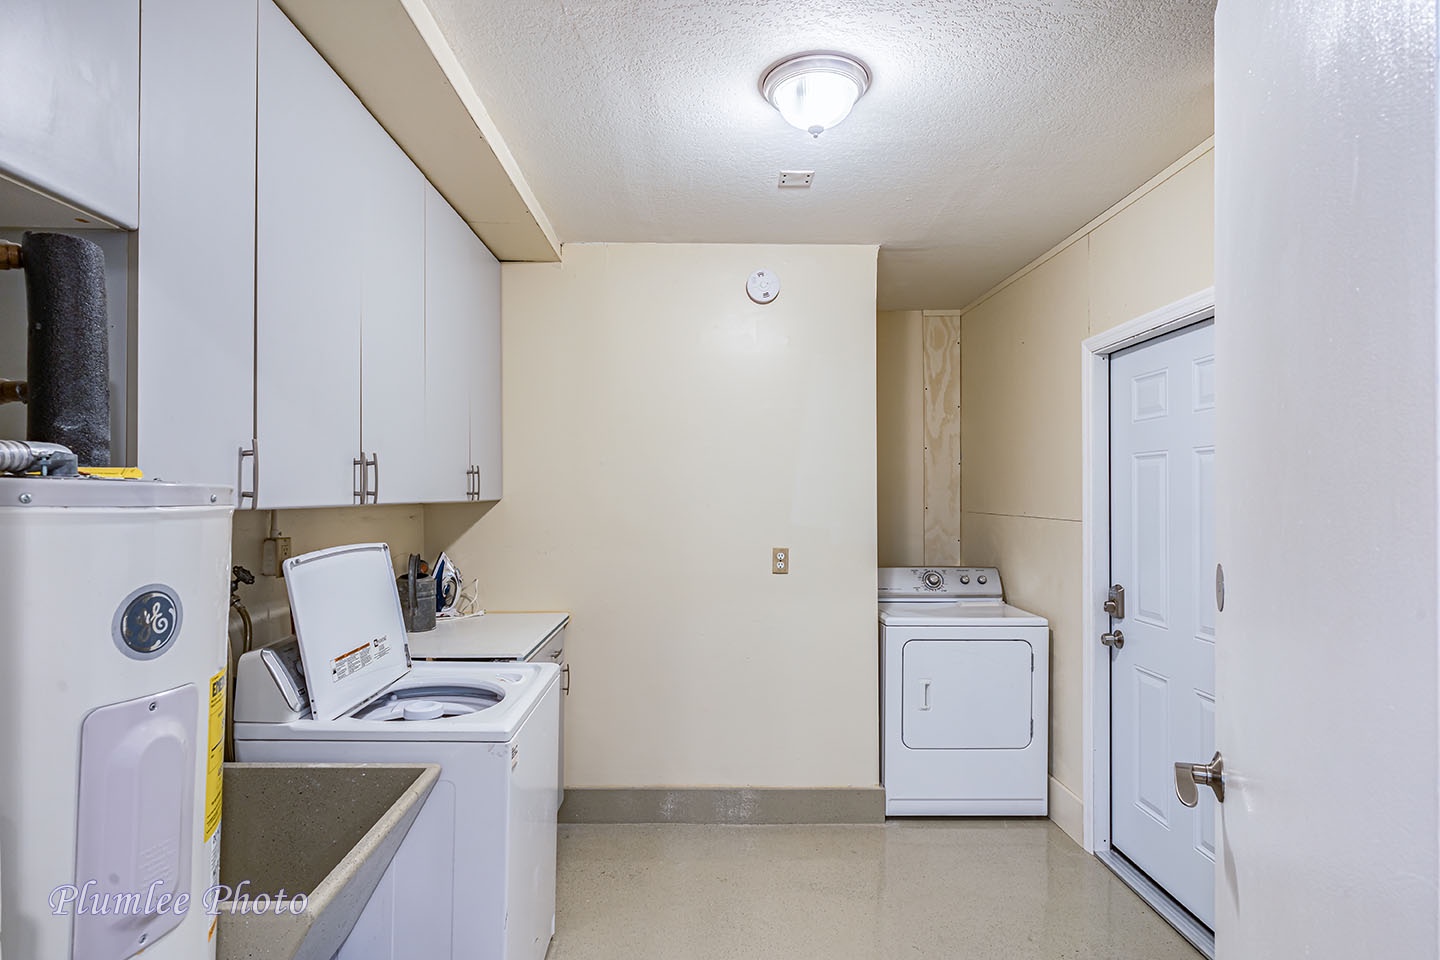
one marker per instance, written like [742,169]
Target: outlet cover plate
[779,559]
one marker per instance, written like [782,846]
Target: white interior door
[1325,276]
[1162,546]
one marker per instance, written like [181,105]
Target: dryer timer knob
[933,579]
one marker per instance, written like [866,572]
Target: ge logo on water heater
[147,622]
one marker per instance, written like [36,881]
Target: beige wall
[662,433]
[1020,414]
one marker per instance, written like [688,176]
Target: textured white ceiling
[993,128]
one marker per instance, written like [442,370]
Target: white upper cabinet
[194,347]
[484,373]
[392,324]
[70,102]
[462,360]
[315,325]
[310,263]
[449,325]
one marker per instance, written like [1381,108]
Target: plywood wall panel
[941,333]
[900,437]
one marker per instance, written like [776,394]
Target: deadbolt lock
[1115,602]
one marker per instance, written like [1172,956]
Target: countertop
[489,636]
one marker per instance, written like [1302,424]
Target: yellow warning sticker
[216,760]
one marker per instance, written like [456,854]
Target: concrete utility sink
[326,830]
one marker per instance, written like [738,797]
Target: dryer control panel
[912,584]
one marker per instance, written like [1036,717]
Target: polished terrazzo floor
[983,889]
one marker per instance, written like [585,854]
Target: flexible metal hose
[26,456]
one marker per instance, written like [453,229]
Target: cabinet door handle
[241,494]
[373,490]
[357,478]
[924,694]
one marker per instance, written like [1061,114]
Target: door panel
[1325,278]
[392,326]
[485,377]
[1150,727]
[194,350]
[308,262]
[967,695]
[1162,447]
[450,318]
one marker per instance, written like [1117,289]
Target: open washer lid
[348,623]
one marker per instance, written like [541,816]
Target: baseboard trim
[723,805]
[1068,811]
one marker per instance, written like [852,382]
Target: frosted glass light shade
[817,91]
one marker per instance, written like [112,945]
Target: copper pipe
[10,258]
[14,391]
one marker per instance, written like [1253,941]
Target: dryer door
[967,695]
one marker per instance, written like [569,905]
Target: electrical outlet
[780,560]
[274,551]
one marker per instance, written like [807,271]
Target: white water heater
[113,604]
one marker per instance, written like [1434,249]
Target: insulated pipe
[25,456]
[68,344]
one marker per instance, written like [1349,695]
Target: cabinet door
[70,103]
[449,322]
[194,347]
[392,324]
[484,371]
[308,264]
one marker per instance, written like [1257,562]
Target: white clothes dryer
[475,877]
[965,702]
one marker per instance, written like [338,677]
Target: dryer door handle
[924,694]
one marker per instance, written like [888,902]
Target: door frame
[1095,545]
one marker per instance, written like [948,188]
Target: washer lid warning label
[353,661]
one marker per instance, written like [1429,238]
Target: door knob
[1114,639]
[1190,777]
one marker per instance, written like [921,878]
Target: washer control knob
[982,579]
[964,578]
[934,579]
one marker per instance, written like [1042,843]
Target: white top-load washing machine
[475,876]
[966,685]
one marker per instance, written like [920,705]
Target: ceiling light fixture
[815,91]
